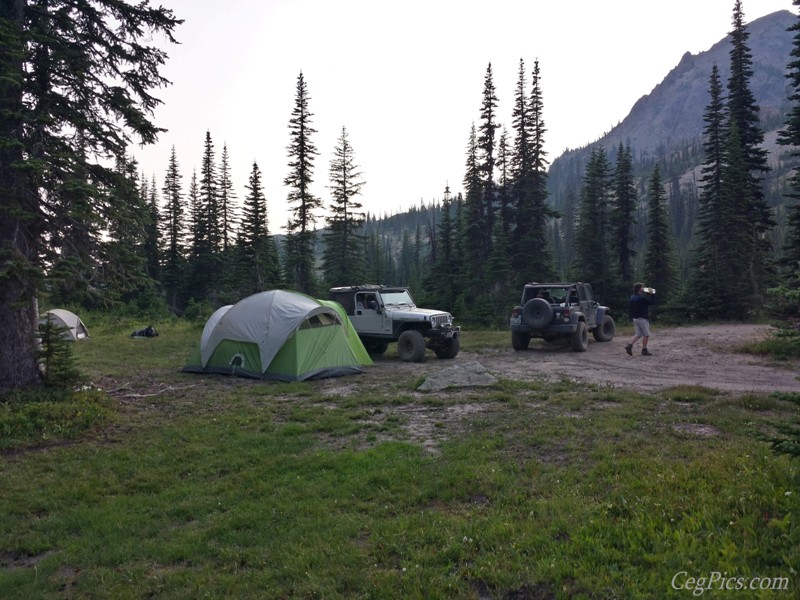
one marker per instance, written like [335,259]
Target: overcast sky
[406,80]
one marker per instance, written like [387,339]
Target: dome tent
[279,335]
[69,322]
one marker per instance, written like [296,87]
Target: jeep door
[369,316]
[588,305]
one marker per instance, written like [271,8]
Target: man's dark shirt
[638,306]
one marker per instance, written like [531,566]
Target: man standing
[641,323]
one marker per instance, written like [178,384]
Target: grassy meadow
[159,484]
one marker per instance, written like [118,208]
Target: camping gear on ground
[147,332]
[280,335]
[71,324]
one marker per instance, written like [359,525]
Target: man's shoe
[629,349]
[646,352]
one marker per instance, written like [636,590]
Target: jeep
[560,310]
[383,314]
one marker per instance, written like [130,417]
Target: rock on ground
[467,374]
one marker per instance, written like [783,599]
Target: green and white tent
[280,335]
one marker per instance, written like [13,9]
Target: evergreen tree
[227,202]
[303,203]
[594,256]
[743,112]
[173,233]
[531,257]
[343,257]
[151,249]
[258,255]
[712,272]
[504,182]
[659,269]
[73,248]
[474,244]
[625,202]
[790,136]
[537,187]
[210,199]
[57,63]
[123,259]
[486,159]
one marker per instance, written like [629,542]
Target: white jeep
[384,314]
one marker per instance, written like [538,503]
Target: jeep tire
[376,347]
[411,346]
[604,332]
[537,313]
[579,340]
[520,340]
[450,349]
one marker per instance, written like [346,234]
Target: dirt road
[683,355]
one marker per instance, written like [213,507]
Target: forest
[84,228]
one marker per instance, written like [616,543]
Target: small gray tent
[73,327]
[279,335]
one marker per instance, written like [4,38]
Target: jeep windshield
[397,297]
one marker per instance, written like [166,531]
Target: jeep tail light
[516,311]
[565,314]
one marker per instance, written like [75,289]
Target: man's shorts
[641,327]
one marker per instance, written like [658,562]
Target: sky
[406,80]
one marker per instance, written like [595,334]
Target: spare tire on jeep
[537,312]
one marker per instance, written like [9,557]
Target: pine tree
[73,248]
[790,136]
[227,202]
[743,113]
[343,257]
[303,203]
[210,199]
[625,202]
[151,243]
[531,257]
[57,107]
[123,257]
[505,208]
[258,257]
[595,260]
[486,159]
[173,231]
[659,268]
[474,247]
[711,272]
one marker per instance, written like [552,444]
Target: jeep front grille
[440,321]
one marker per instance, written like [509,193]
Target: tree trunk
[20,216]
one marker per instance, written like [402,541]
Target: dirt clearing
[702,355]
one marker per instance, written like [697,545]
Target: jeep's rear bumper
[518,326]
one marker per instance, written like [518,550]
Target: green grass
[220,487]
[783,344]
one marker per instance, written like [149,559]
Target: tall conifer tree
[173,231]
[227,202]
[659,268]
[790,136]
[302,151]
[711,271]
[343,258]
[75,81]
[623,213]
[743,112]
[258,256]
[595,259]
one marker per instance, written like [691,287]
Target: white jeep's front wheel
[411,346]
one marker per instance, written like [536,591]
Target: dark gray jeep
[560,310]
[382,314]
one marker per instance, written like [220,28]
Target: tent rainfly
[280,335]
[73,327]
